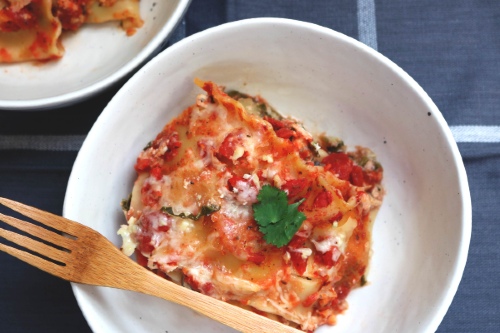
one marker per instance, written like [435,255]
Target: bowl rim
[466,218]
[86,92]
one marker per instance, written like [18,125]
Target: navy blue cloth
[450,47]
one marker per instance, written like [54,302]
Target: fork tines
[55,247]
[49,219]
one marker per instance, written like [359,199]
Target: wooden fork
[85,256]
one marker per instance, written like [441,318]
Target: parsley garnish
[277,220]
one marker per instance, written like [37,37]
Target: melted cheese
[125,231]
[221,160]
[338,237]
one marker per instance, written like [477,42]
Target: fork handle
[230,315]
[126,274]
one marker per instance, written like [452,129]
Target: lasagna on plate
[31,29]
[242,204]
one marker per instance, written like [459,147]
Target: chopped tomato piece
[157,173]
[142,164]
[323,199]
[229,145]
[164,228]
[373,177]
[149,196]
[145,244]
[173,145]
[339,164]
[294,187]
[357,176]
[298,262]
[275,123]
[325,258]
[281,129]
[286,133]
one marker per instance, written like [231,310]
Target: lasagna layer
[191,215]
[31,29]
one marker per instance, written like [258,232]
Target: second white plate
[96,56]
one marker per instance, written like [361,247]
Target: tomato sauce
[217,155]
[24,19]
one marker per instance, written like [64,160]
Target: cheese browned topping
[191,212]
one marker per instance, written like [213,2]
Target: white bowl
[335,84]
[96,56]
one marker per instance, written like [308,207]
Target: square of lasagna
[242,204]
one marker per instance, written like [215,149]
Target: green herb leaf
[277,220]
[205,210]
[126,203]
